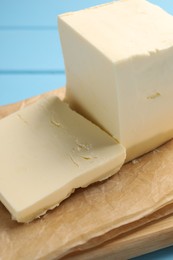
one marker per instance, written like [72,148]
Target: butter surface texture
[47,150]
[119,66]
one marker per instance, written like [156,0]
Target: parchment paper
[103,210]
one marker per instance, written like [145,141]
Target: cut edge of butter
[23,217]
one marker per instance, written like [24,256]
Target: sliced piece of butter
[119,66]
[46,151]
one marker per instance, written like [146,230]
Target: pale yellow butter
[119,66]
[47,150]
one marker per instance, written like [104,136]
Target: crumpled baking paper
[95,214]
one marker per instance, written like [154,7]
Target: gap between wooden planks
[150,237]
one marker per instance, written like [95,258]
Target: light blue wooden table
[31,60]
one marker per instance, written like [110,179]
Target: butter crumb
[135,161]
[55,123]
[87,157]
[83,146]
[155,95]
[22,119]
[156,151]
[72,159]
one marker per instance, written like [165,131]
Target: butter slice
[47,150]
[119,66]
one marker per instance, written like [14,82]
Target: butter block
[47,150]
[119,66]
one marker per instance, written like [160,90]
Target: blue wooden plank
[166,5]
[38,48]
[43,13]
[39,12]
[164,254]
[18,87]
[30,50]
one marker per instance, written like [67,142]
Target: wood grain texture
[151,232]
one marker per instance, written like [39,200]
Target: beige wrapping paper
[141,192]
